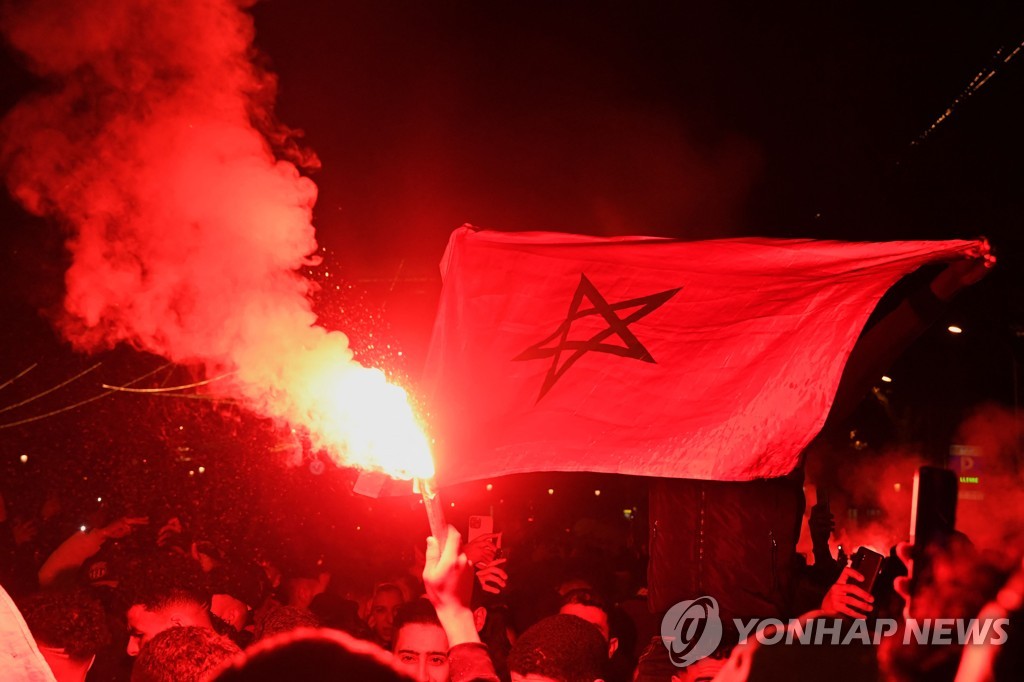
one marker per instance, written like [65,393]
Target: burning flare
[187,227]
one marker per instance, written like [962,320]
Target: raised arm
[879,347]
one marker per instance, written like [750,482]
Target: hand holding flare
[435,512]
[448,579]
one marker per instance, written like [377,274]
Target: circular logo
[691,630]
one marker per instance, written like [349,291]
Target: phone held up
[932,520]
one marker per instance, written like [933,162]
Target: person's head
[300,590]
[183,654]
[338,613]
[383,607]
[284,619]
[313,656]
[560,648]
[572,584]
[69,628]
[236,589]
[420,646]
[163,592]
[592,608]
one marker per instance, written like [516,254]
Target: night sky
[658,118]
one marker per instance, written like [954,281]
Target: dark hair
[183,654]
[72,621]
[416,611]
[563,647]
[586,597]
[313,656]
[336,612]
[159,580]
[284,619]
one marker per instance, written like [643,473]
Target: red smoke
[996,520]
[187,231]
[989,512]
[144,146]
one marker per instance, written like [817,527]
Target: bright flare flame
[361,420]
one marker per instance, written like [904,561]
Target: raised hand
[447,573]
[448,579]
[849,600]
[482,549]
[123,527]
[961,274]
[492,577]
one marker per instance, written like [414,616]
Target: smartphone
[869,564]
[932,519]
[479,525]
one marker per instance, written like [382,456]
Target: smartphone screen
[933,518]
[479,525]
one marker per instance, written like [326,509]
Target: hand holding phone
[482,547]
[847,598]
[869,564]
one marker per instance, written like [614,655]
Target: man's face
[232,611]
[144,625]
[382,613]
[421,651]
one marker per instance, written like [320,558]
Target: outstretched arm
[879,347]
[74,551]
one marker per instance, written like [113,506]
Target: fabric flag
[655,357]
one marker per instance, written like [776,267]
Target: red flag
[656,357]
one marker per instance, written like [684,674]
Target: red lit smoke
[187,229]
[996,518]
[989,511]
[184,225]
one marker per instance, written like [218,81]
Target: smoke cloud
[880,487]
[187,227]
[992,515]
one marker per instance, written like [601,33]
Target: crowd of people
[122,602]
[127,600]
[161,597]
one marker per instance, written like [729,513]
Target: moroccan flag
[710,359]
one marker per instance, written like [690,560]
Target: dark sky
[663,118]
[686,119]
